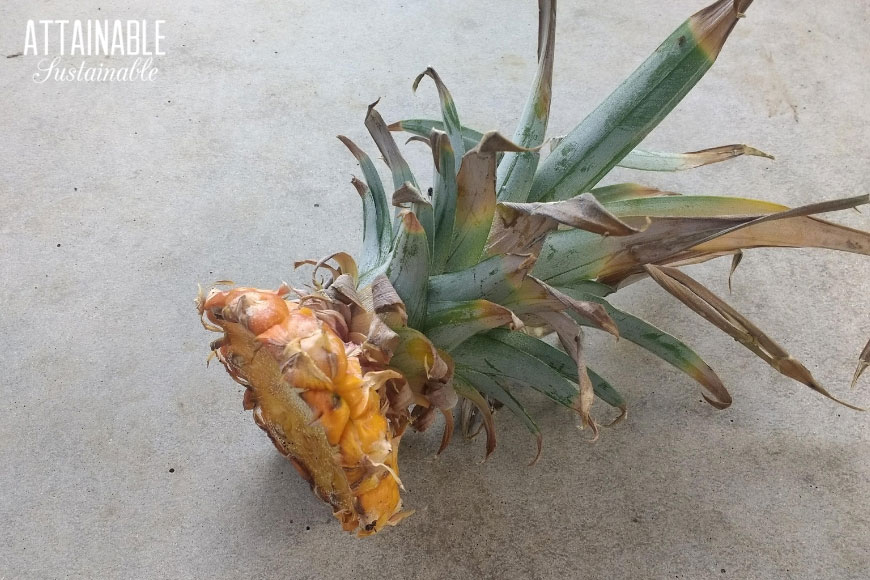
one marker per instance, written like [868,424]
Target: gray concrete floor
[123,456]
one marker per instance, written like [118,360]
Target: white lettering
[158,37]
[117,39]
[62,29]
[102,38]
[30,38]
[78,41]
[132,37]
[142,39]
[47,67]
[45,24]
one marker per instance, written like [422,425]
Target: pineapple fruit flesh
[455,291]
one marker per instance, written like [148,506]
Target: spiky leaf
[377,229]
[493,389]
[622,121]
[723,316]
[409,267]
[573,255]
[475,202]
[664,346]
[517,169]
[498,360]
[452,126]
[557,360]
[444,193]
[658,161]
[494,279]
[423,127]
[399,168]
[450,323]
[620,191]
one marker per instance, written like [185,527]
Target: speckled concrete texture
[123,456]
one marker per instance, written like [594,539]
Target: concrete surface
[123,456]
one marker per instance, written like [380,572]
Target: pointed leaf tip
[419,138]
[517,169]
[448,112]
[712,25]
[361,188]
[411,223]
[355,151]
[863,363]
[448,430]
[735,261]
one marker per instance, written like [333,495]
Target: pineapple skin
[319,407]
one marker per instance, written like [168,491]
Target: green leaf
[501,361]
[493,279]
[663,345]
[444,193]
[453,127]
[606,392]
[389,150]
[569,256]
[622,121]
[423,128]
[377,231]
[658,161]
[448,324]
[491,388]
[398,167]
[409,267]
[475,201]
[557,360]
[621,191]
[696,206]
[517,170]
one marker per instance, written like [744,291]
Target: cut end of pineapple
[316,403]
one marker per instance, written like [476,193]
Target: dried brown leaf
[408,194]
[387,303]
[719,313]
[522,227]
[448,430]
[863,363]
[571,336]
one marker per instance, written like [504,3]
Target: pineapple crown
[483,284]
[509,245]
